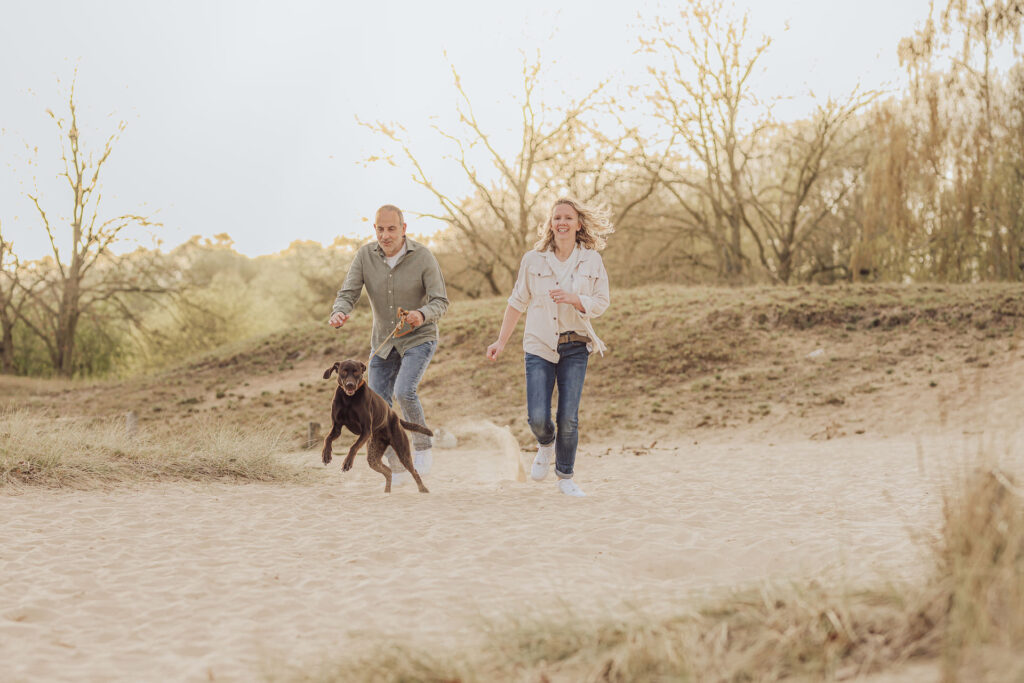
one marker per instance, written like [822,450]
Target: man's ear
[362,367]
[328,371]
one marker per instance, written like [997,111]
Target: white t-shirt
[565,278]
[564,269]
[393,260]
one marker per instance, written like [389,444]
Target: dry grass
[39,450]
[980,577]
[803,634]
[967,619]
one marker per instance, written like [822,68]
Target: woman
[562,284]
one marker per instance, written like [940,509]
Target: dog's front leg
[350,458]
[335,431]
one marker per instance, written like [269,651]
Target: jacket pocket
[542,278]
[588,276]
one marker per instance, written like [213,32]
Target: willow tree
[974,150]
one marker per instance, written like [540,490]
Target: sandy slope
[198,581]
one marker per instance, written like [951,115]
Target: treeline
[200,295]
[705,185]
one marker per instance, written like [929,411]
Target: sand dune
[223,581]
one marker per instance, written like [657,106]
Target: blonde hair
[595,224]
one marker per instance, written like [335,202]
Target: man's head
[390,227]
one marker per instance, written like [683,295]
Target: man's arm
[350,290]
[437,296]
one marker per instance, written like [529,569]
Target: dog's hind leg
[375,459]
[401,445]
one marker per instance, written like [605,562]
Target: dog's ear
[362,367]
[328,371]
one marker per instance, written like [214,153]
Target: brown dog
[369,416]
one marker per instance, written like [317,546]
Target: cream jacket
[530,296]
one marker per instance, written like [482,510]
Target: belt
[567,337]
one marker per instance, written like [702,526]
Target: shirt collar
[409,246]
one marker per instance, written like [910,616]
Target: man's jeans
[541,377]
[400,376]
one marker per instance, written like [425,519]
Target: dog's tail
[413,427]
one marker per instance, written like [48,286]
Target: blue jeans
[541,377]
[400,376]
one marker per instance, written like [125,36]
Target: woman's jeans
[541,377]
[400,375]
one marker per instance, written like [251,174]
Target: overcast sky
[241,116]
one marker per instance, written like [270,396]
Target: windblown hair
[389,207]
[595,225]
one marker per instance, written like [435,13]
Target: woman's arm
[508,324]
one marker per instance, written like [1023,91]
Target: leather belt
[567,337]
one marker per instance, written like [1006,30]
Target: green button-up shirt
[415,284]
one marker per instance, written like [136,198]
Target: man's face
[390,232]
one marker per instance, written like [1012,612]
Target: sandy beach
[185,581]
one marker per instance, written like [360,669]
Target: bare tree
[86,279]
[704,99]
[561,150]
[802,182]
[12,300]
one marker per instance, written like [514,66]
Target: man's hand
[338,319]
[414,318]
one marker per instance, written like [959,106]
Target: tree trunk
[7,347]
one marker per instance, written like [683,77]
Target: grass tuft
[980,576]
[61,452]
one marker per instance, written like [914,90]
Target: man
[397,273]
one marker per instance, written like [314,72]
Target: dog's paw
[326,458]
[346,466]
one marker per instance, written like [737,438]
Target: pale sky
[241,116]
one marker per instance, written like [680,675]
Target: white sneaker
[569,488]
[423,461]
[542,463]
[398,474]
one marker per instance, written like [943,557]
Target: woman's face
[564,223]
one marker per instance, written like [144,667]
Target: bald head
[389,208]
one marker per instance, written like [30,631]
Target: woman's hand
[494,349]
[560,296]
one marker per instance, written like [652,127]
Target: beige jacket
[530,296]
